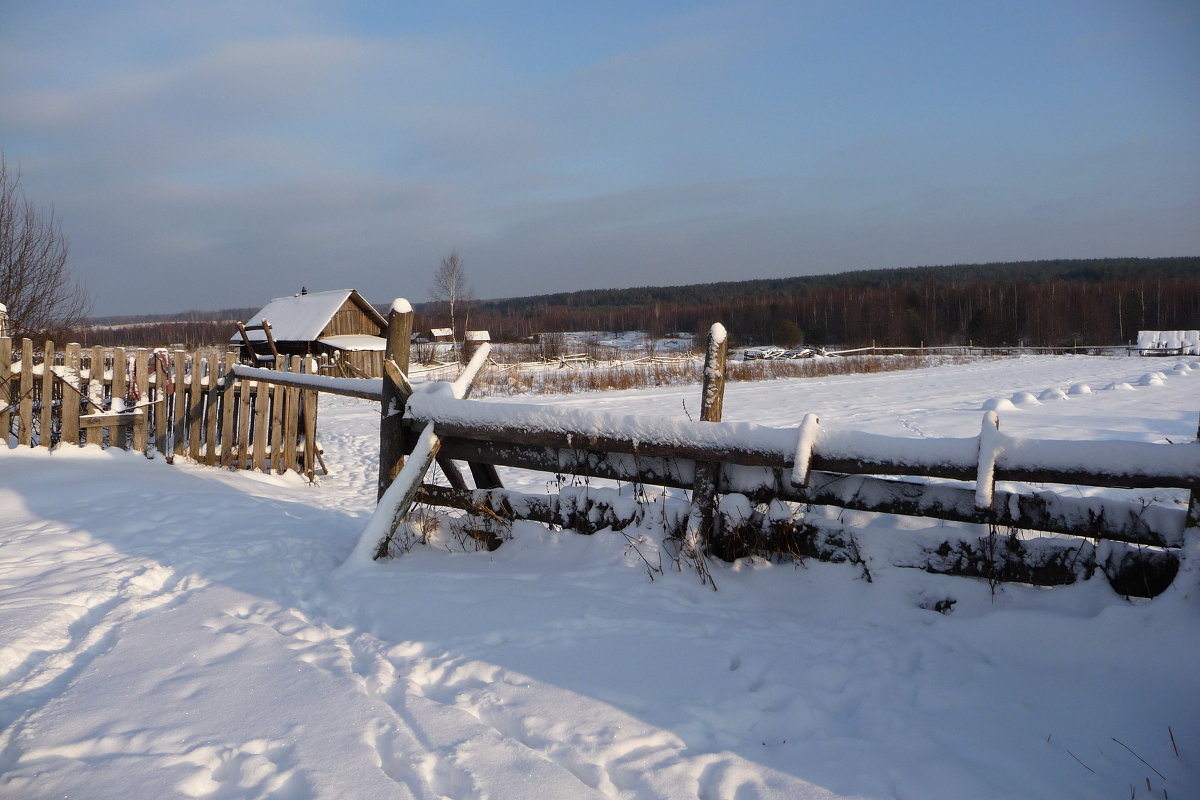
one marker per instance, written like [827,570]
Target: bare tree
[450,287]
[43,298]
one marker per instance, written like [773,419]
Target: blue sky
[216,154]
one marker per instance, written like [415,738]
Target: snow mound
[1025,399]
[1051,394]
[1152,379]
[1121,386]
[1079,389]
[999,404]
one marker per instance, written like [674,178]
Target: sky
[219,154]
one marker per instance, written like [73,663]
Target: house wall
[350,319]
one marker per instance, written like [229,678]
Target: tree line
[1038,303]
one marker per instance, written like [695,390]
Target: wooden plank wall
[178,404]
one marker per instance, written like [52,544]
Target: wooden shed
[339,324]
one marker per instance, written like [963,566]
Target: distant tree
[42,297]
[788,333]
[451,289]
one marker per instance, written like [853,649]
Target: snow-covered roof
[299,317]
[478,336]
[441,331]
[354,341]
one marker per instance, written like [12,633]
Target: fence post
[179,435]
[117,434]
[712,405]
[391,444]
[291,424]
[25,429]
[72,395]
[141,382]
[5,388]
[45,439]
[162,401]
[195,412]
[309,399]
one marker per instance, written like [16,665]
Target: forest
[1035,303]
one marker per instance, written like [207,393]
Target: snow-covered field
[180,631]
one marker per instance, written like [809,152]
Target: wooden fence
[180,404]
[741,475]
[752,487]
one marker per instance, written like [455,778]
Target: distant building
[338,323]
[472,340]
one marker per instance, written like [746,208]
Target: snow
[401,306]
[1172,340]
[353,341]
[717,333]
[182,631]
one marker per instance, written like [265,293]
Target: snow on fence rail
[180,404]
[741,475]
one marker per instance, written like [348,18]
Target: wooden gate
[176,403]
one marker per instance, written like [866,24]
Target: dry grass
[517,380]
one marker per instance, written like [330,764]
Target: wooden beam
[401,493]
[365,388]
[196,405]
[72,384]
[1132,571]
[179,428]
[162,400]
[25,423]
[105,419]
[46,423]
[704,521]
[141,382]
[392,397]
[1043,511]
[6,389]
[95,393]
[266,328]
[228,405]
[526,425]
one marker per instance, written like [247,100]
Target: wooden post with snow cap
[989,449]
[391,432]
[704,519]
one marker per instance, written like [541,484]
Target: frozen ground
[179,631]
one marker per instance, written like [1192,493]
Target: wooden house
[339,324]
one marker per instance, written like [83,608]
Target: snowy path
[183,632]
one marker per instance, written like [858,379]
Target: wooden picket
[180,405]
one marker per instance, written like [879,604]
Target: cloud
[222,157]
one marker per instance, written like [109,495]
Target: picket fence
[177,403]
